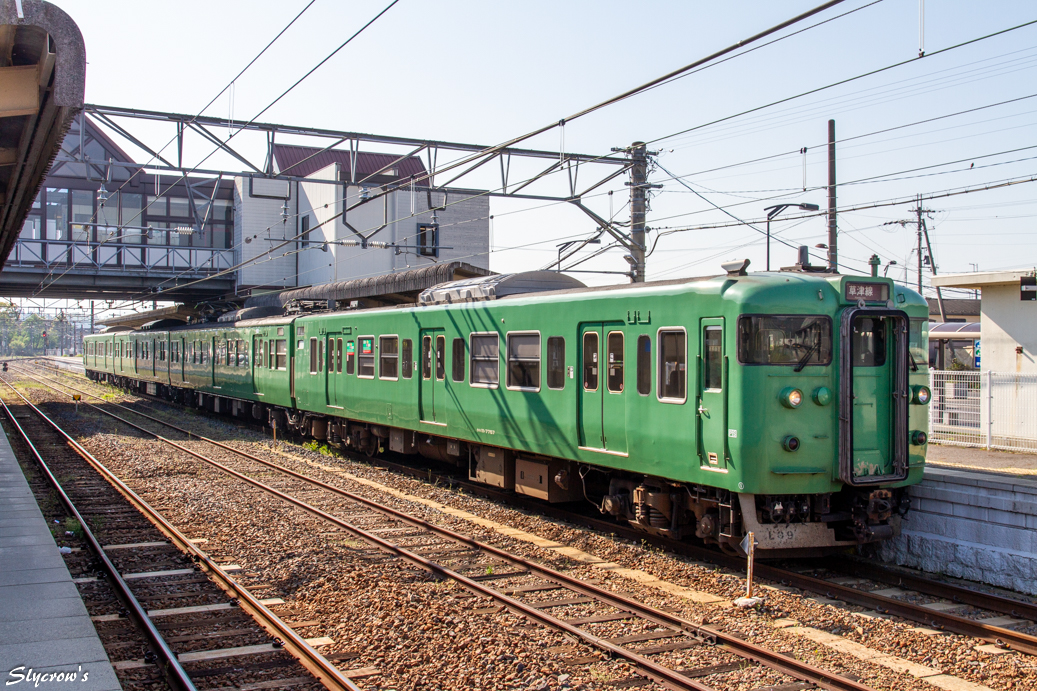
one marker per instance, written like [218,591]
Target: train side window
[338,357]
[440,358]
[313,356]
[365,359]
[320,355]
[713,358]
[673,365]
[614,381]
[524,361]
[282,353]
[484,351]
[457,364]
[556,362]
[389,357]
[426,357]
[350,357]
[330,353]
[644,365]
[407,358]
[590,361]
[190,352]
[271,357]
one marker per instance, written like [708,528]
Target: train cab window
[350,357]
[407,358]
[457,360]
[365,358]
[713,358]
[389,357]
[484,351]
[614,380]
[795,340]
[556,362]
[313,356]
[868,342]
[590,361]
[644,365]
[338,357]
[524,361]
[673,366]
[918,336]
[282,353]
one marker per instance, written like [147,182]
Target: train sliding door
[335,380]
[432,383]
[602,394]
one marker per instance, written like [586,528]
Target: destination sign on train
[869,292]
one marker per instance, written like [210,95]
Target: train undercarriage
[782,525]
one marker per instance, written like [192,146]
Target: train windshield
[784,340]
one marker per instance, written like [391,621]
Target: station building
[103,228]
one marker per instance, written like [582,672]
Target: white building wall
[259,220]
[1008,323]
[464,227]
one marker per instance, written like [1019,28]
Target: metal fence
[993,410]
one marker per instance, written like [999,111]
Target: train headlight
[791,398]
[919,438]
[822,395]
[790,443]
[921,395]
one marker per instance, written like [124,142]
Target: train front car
[827,412]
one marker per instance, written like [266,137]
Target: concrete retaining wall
[979,526]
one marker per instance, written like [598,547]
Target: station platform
[45,629]
[973,516]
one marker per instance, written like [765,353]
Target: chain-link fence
[993,410]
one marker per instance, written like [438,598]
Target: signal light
[790,443]
[790,397]
[919,438]
[921,395]
[822,396]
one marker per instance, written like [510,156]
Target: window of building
[304,236]
[350,357]
[428,239]
[673,367]
[407,358]
[713,358]
[590,361]
[556,362]
[644,365]
[524,361]
[457,360]
[365,358]
[614,380]
[484,351]
[389,357]
[282,354]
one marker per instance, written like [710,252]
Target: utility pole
[833,251]
[638,206]
[923,229]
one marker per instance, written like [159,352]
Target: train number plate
[781,533]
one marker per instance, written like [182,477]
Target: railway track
[982,615]
[612,622]
[164,610]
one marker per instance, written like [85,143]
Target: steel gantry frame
[475,157]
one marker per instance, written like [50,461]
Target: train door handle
[702,410]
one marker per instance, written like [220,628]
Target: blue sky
[484,72]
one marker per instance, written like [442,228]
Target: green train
[790,404]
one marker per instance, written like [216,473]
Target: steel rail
[293,643]
[776,661]
[1000,636]
[175,674]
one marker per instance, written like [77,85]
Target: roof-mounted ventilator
[736,268]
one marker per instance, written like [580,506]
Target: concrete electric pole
[638,207]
